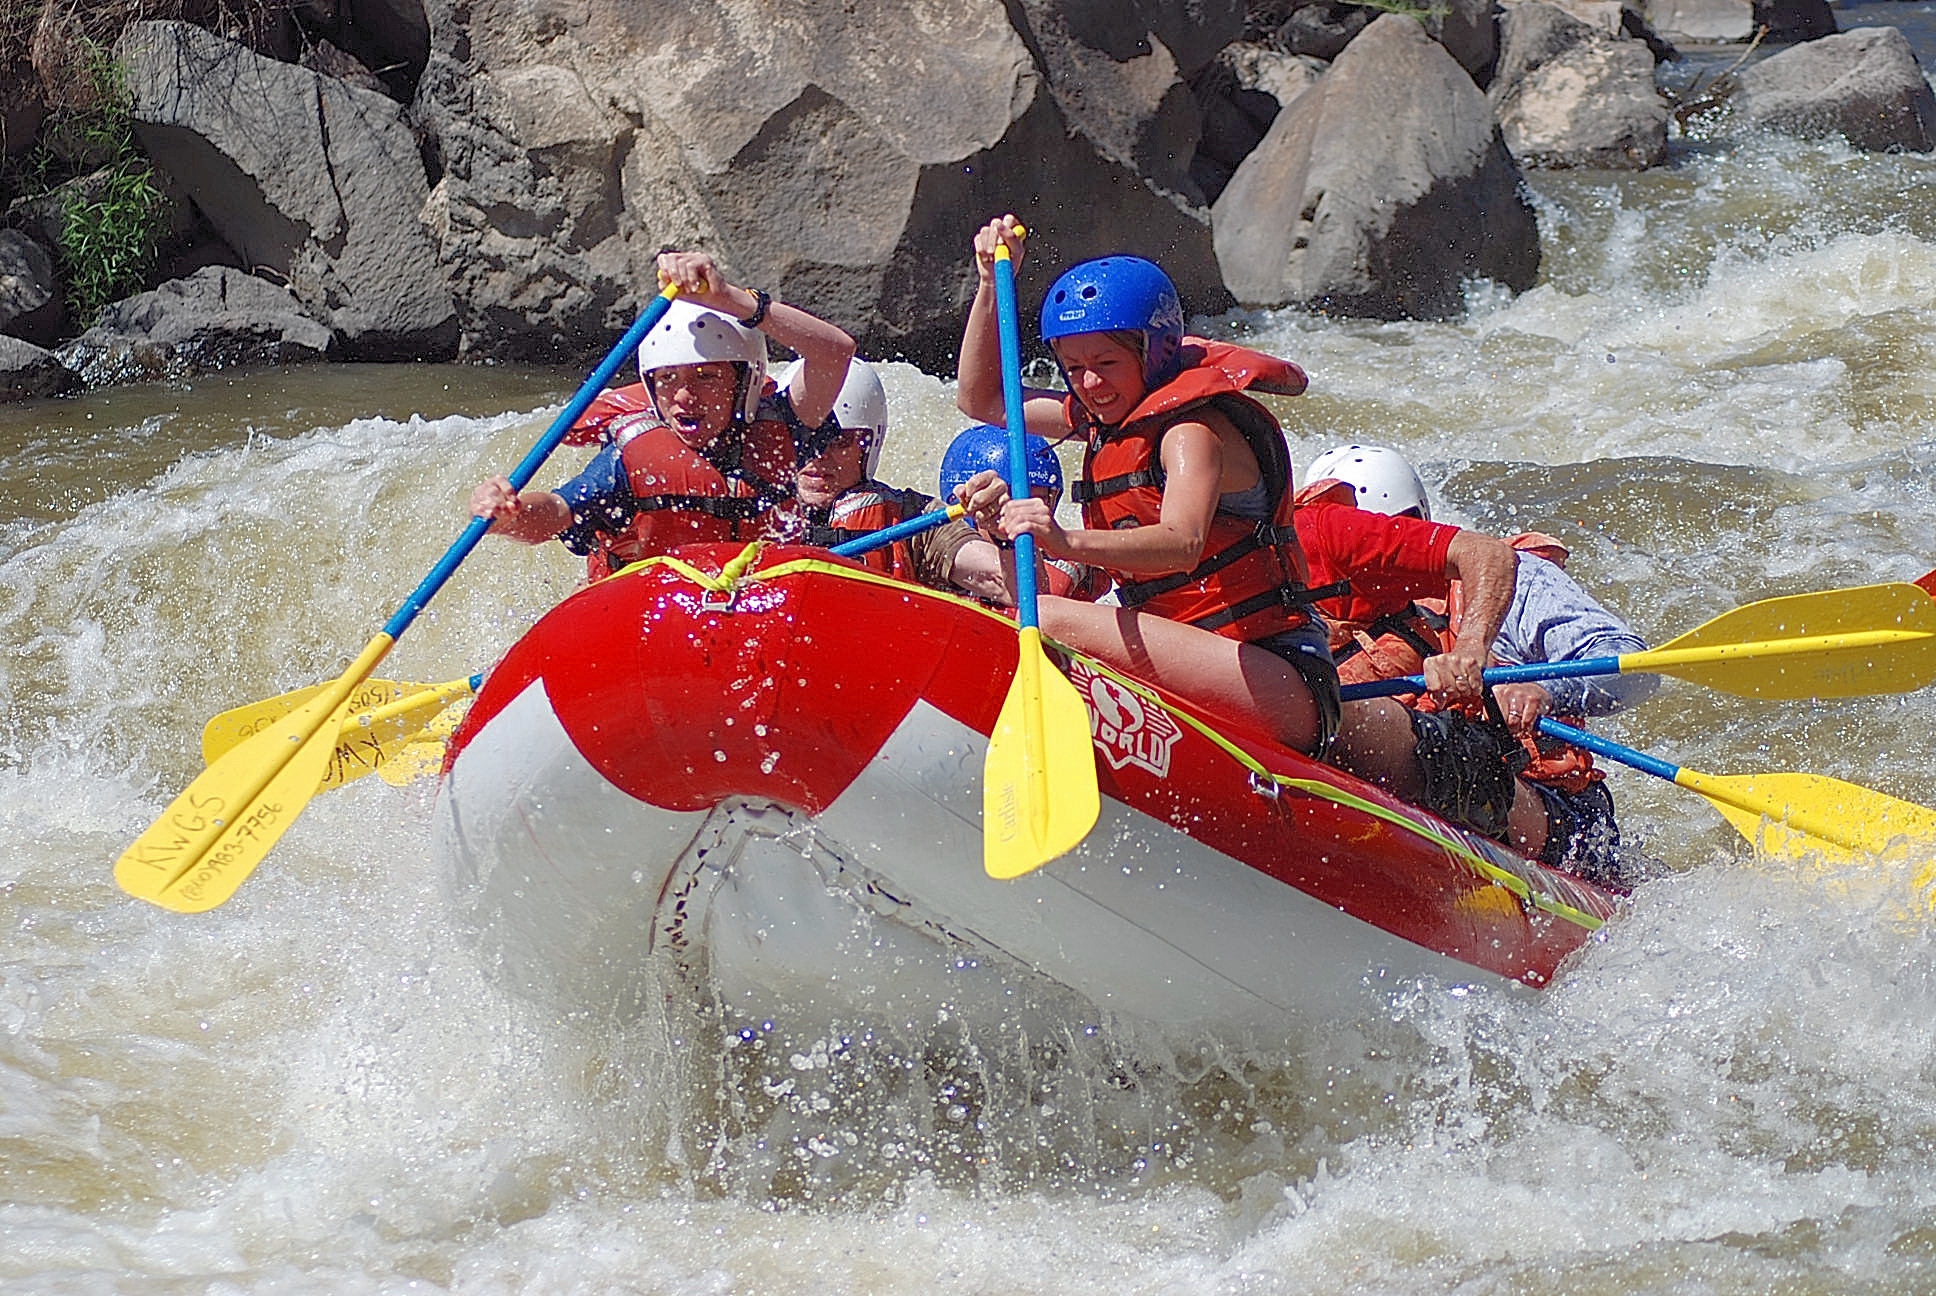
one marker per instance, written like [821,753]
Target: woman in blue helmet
[984,448]
[1186,494]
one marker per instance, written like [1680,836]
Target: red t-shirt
[1389,560]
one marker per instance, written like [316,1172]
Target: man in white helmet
[840,498]
[1557,807]
[716,450]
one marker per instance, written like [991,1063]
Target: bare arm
[824,347]
[1196,467]
[978,391]
[529,516]
[1485,568]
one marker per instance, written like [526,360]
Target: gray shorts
[1308,650]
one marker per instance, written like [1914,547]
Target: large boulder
[837,155]
[1305,220]
[28,371]
[30,294]
[217,318]
[1864,85]
[1724,21]
[211,320]
[315,179]
[1567,94]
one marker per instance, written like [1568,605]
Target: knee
[1470,771]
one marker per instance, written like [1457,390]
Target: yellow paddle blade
[1838,643]
[372,742]
[1789,816]
[423,755]
[239,723]
[213,835]
[1039,796]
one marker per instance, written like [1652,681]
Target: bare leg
[1376,742]
[1248,685]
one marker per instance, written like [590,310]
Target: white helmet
[1385,483]
[688,334]
[861,406]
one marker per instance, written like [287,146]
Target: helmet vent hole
[1088,292]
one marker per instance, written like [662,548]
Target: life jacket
[1561,765]
[1250,583]
[685,496]
[609,414]
[1390,645]
[862,510]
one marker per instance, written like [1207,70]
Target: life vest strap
[1399,625]
[738,508]
[1263,535]
[1088,492]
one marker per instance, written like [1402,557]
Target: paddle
[384,719]
[899,531]
[1039,796]
[1839,643]
[211,837]
[1784,815]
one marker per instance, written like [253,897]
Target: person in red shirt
[1457,765]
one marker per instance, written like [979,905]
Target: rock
[1791,21]
[216,318]
[302,174]
[1469,30]
[1864,84]
[1570,95]
[28,372]
[837,155]
[30,295]
[22,105]
[1305,221]
[1698,21]
[1238,96]
[1322,29]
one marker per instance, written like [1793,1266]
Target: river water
[1722,390]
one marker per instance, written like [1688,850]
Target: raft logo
[1126,729]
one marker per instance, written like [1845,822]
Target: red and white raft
[773,777]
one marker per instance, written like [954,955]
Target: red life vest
[1562,765]
[685,496]
[862,510]
[1251,581]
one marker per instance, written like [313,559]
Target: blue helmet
[984,446]
[1120,292]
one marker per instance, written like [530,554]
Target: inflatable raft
[764,768]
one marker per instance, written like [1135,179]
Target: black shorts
[1308,650]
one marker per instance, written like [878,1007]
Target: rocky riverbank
[423,180]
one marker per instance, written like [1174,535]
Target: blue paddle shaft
[521,475]
[888,535]
[1008,321]
[1494,675]
[1613,751]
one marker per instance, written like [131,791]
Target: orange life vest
[862,510]
[1251,581]
[1561,765]
[685,496]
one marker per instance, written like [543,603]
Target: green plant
[112,223]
